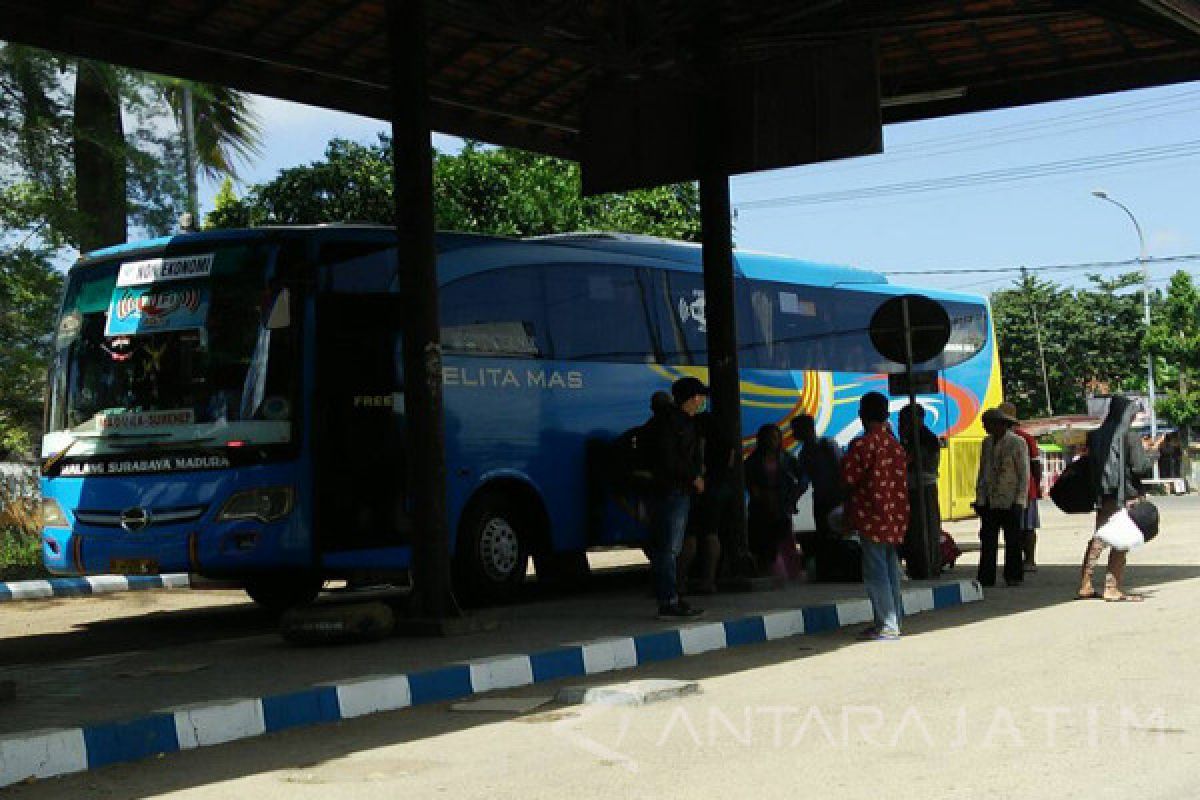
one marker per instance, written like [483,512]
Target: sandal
[1087,596]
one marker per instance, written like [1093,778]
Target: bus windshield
[182,350]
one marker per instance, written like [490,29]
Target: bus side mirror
[281,312]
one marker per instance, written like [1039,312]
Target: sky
[996,189]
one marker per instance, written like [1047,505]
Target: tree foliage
[1174,339]
[29,290]
[89,151]
[499,191]
[1092,342]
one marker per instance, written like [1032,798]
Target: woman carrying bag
[1118,463]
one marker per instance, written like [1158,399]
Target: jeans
[991,522]
[881,575]
[668,524]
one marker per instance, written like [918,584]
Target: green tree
[29,290]
[499,191]
[1174,339]
[1091,339]
[1028,321]
[89,152]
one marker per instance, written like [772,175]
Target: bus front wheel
[492,552]
[279,593]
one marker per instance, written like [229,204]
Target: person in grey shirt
[1001,492]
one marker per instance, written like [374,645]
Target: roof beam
[1101,77]
[1139,15]
[529,33]
[274,76]
[1183,12]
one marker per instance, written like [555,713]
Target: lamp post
[1145,312]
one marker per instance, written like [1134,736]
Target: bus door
[359,444]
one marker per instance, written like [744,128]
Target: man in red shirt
[875,472]
[1030,521]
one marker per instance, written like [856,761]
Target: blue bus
[231,404]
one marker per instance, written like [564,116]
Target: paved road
[1026,695]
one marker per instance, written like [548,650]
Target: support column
[716,231]
[417,264]
[725,383]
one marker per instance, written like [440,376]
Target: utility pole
[1037,330]
[1145,312]
[189,154]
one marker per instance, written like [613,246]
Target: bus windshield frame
[195,349]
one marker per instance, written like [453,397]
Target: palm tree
[218,126]
[226,131]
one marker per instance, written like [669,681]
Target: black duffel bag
[1075,490]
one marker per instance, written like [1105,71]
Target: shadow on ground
[1052,585]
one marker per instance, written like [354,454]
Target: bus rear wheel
[492,551]
[279,593]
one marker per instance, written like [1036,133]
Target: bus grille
[155,517]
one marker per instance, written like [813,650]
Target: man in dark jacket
[711,520]
[820,458]
[677,463]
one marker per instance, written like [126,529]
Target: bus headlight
[264,505]
[52,514]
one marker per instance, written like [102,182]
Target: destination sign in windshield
[158,270]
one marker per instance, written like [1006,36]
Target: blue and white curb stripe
[43,754]
[90,585]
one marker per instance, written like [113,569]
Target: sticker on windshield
[152,310]
[124,421]
[68,328]
[160,270]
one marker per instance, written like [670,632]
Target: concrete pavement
[1029,694]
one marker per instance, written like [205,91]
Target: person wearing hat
[1001,493]
[677,464]
[1030,520]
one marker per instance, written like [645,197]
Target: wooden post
[417,264]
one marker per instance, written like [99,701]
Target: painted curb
[90,585]
[48,753]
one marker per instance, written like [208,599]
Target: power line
[1011,133]
[1006,175]
[1129,262]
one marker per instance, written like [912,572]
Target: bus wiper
[151,440]
[53,465]
[139,436]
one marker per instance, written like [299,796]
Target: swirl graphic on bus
[831,399]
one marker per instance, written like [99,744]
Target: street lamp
[1145,312]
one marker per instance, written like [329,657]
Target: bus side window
[597,313]
[359,267]
[498,313]
[682,322]
[783,326]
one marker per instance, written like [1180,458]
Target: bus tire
[492,551]
[278,593]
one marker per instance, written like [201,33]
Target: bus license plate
[133,566]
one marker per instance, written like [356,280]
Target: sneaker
[678,610]
[882,635]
